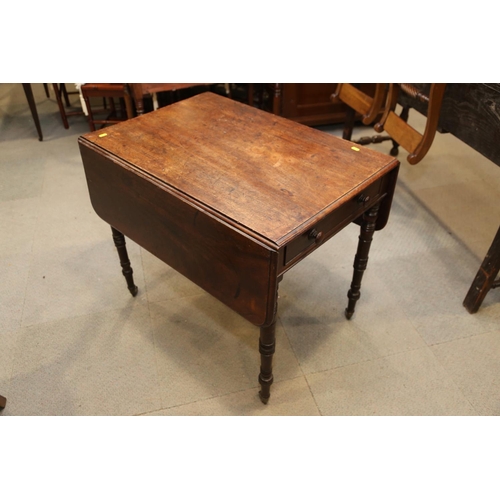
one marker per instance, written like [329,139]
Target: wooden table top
[267,175]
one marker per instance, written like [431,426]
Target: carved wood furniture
[469,112]
[232,197]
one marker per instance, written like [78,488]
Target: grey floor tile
[21,172]
[470,211]
[69,222]
[18,222]
[77,280]
[430,288]
[14,272]
[205,350]
[313,297]
[474,365]
[410,383]
[98,364]
[7,350]
[288,398]
[411,229]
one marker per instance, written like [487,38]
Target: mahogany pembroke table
[232,197]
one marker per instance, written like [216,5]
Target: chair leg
[348,124]
[485,277]
[65,94]
[46,87]
[57,92]
[90,116]
[129,107]
[34,113]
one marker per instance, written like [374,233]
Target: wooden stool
[233,197]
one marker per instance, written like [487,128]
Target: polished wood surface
[206,146]
[232,197]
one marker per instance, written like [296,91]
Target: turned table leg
[3,402]
[267,345]
[361,258]
[119,240]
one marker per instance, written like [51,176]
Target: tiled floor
[74,342]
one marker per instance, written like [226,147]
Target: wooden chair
[369,107]
[109,91]
[61,92]
[414,142]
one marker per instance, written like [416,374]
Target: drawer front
[332,223]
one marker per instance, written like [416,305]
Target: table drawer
[333,222]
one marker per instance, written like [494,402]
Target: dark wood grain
[182,233]
[232,197]
[266,173]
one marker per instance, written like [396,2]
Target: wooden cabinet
[307,103]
